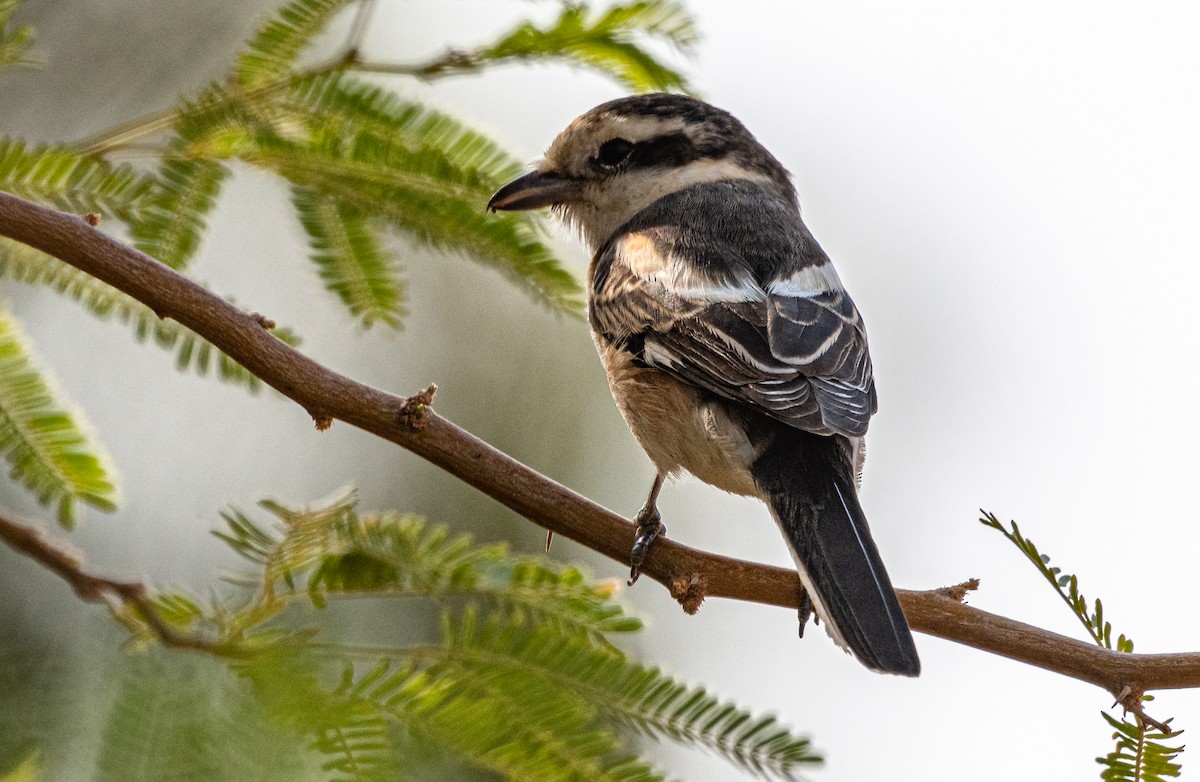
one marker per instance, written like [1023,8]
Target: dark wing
[787,340]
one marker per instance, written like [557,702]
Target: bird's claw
[806,610]
[649,528]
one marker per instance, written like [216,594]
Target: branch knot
[689,591]
[414,413]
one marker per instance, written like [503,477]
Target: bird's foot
[649,527]
[806,611]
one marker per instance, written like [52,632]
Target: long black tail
[808,481]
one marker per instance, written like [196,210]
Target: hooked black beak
[534,190]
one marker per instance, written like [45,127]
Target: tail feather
[808,482]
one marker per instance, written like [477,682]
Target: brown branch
[91,588]
[414,425]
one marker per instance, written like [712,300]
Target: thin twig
[530,494]
[358,30]
[56,557]
[123,135]
[1130,699]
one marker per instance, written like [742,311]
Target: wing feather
[782,337]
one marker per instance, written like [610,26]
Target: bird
[731,346]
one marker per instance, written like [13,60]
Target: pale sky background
[1009,191]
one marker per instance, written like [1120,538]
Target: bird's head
[624,155]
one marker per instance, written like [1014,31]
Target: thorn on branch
[92,219]
[1130,698]
[958,593]
[689,591]
[414,413]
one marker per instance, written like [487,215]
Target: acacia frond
[173,218]
[14,41]
[181,718]
[389,160]
[423,196]
[1067,587]
[48,449]
[610,42]
[353,264]
[329,549]
[272,53]
[70,181]
[340,103]
[1138,757]
[643,698]
[192,352]
[520,727]
[221,124]
[525,683]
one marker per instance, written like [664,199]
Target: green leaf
[49,450]
[340,105]
[14,41]
[192,352]
[352,263]
[172,220]
[519,726]
[642,698]
[1067,586]
[382,158]
[221,123]
[610,42]
[182,718]
[524,684]
[422,196]
[329,549]
[272,53]
[71,181]
[1139,756]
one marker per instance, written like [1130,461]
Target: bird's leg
[649,527]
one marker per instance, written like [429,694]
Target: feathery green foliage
[272,53]
[192,352]
[14,41]
[412,191]
[179,718]
[340,103]
[524,681]
[69,180]
[1067,587]
[48,449]
[350,258]
[609,41]
[1138,756]
[173,217]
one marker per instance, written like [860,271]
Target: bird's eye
[614,152]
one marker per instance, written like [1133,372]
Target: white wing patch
[808,282]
